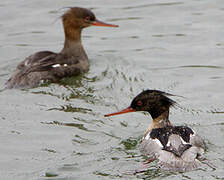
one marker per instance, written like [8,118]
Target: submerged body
[49,66]
[176,148]
[46,66]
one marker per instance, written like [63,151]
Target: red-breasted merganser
[177,148]
[72,60]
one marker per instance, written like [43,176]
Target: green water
[58,131]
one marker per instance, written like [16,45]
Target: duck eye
[139,103]
[87,18]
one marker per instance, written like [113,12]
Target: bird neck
[73,44]
[159,122]
[73,48]
[73,34]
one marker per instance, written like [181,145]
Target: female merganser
[177,148]
[72,60]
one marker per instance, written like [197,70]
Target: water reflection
[154,4]
[69,108]
[57,131]
[76,125]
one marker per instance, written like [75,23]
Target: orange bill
[127,110]
[100,23]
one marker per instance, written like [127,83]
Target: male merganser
[72,60]
[177,148]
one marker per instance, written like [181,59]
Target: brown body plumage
[49,66]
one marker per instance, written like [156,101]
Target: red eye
[87,18]
[139,103]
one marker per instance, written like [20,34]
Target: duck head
[153,101]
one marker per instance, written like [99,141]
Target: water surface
[59,132]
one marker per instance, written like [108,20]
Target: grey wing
[20,78]
[178,155]
[34,59]
[40,61]
[56,61]
[198,142]
[150,147]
